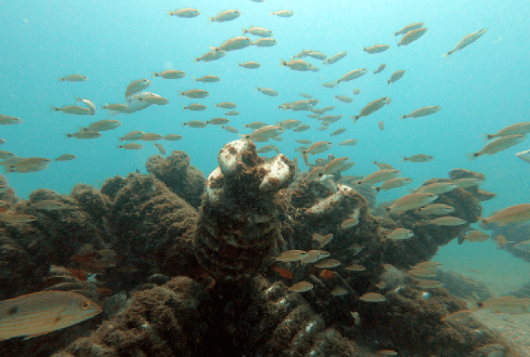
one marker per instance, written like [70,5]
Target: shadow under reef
[176,282]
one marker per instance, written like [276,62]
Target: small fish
[136,86]
[151,137]
[266,132]
[212,55]
[186,13]
[437,209]
[131,146]
[437,188]
[102,125]
[344,98]
[195,93]
[267,148]
[44,312]
[408,28]
[317,55]
[513,214]
[379,176]
[224,16]
[371,107]
[292,256]
[304,142]
[172,137]
[327,264]
[356,317]
[283,13]
[330,85]
[255,125]
[338,132]
[226,105]
[447,221]
[74,78]
[265,42]
[468,182]
[508,305]
[418,158]
[267,91]
[339,291]
[84,135]
[412,36]
[8,120]
[356,73]
[422,112]
[170,74]
[65,157]
[89,104]
[466,41]
[411,201]
[17,218]
[514,129]
[207,79]
[116,108]
[523,246]
[72,109]
[372,297]
[349,142]
[346,166]
[195,107]
[355,268]
[314,256]
[324,240]
[303,53]
[376,49]
[350,222]
[250,65]
[524,155]
[257,31]
[400,234]
[497,145]
[296,64]
[356,91]
[459,315]
[230,129]
[476,236]
[335,58]
[195,124]
[387,353]
[380,69]
[301,287]
[284,272]
[306,95]
[394,183]
[218,121]
[396,76]
[160,148]
[6,155]
[133,135]
[151,98]
[50,205]
[319,147]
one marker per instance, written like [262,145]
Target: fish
[44,312]
[74,78]
[50,205]
[230,129]
[412,36]
[371,107]
[508,305]
[338,132]
[411,201]
[296,64]
[372,297]
[355,268]
[195,124]
[523,246]
[306,95]
[185,12]
[136,86]
[133,135]
[255,125]
[88,103]
[85,134]
[172,137]
[250,65]
[349,142]
[330,85]
[356,73]
[387,353]
[396,76]
[218,121]
[512,214]
[379,176]
[116,108]
[212,55]
[376,49]
[102,125]
[265,42]
[418,158]
[447,221]
[282,13]
[314,256]
[6,155]
[195,107]
[323,240]
[356,317]
[160,148]
[429,284]
[344,98]
[350,222]
[339,291]
[304,142]
[207,79]
[268,148]
[226,105]
[356,91]
[497,145]
[394,183]
[291,256]
[421,112]
[476,236]
[318,147]
[289,123]
[170,74]
[301,287]
[327,264]
[502,242]
[131,146]
[317,55]
[468,182]
[514,129]
[195,93]
[333,59]
[456,316]
[151,98]
[232,113]
[466,41]
[303,53]
[408,28]
[257,31]
[267,91]
[399,234]
[227,15]
[330,118]
[263,133]
[65,157]
[346,166]
[10,218]
[380,69]
[72,109]
[284,272]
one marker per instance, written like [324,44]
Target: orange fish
[284,272]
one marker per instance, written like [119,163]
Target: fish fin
[216,49]
[36,335]
[210,20]
[243,32]
[402,117]
[69,135]
[472,156]
[155,74]
[55,109]
[244,136]
[403,158]
[184,107]
[195,60]
[283,63]
[169,13]
[488,136]
[447,54]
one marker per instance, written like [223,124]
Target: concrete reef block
[330,203]
[238,228]
[168,321]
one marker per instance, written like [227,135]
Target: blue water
[480,89]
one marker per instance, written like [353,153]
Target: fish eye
[84,305]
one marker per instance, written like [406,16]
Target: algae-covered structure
[179,276]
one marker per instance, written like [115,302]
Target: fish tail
[184,123]
[169,13]
[396,34]
[355,118]
[473,156]
[388,82]
[184,107]
[403,158]
[447,54]
[155,74]
[257,88]
[488,136]
[55,109]
[216,49]
[306,158]
[377,189]
[243,32]
[402,117]
[61,79]
[196,80]
[283,63]
[210,20]
[196,59]
[69,135]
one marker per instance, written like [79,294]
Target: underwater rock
[515,233]
[479,194]
[169,321]
[463,287]
[238,228]
[178,175]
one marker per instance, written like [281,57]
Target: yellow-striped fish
[43,312]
